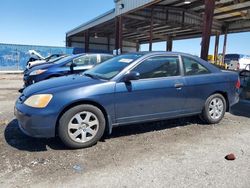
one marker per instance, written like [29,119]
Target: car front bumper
[39,123]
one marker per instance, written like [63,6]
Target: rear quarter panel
[200,87]
[231,79]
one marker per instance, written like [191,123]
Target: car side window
[193,67]
[105,57]
[159,66]
[85,60]
[68,64]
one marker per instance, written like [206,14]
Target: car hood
[64,82]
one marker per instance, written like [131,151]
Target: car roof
[203,62]
[161,52]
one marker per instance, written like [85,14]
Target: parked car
[52,57]
[47,62]
[130,88]
[245,80]
[65,66]
[236,61]
[34,55]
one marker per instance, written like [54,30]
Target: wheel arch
[108,127]
[225,95]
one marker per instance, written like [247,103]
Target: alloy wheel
[83,126]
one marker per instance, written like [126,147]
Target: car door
[199,83]
[158,94]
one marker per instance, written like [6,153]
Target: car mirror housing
[131,76]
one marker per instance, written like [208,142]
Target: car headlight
[37,72]
[38,101]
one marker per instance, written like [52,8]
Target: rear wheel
[214,109]
[81,126]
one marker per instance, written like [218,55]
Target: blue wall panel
[15,57]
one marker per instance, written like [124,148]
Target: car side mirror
[72,65]
[131,76]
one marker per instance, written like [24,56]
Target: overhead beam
[182,17]
[239,25]
[232,11]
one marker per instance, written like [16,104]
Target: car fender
[90,102]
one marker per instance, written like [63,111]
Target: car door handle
[178,85]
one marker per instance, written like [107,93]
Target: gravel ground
[174,153]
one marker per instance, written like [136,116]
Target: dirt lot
[174,153]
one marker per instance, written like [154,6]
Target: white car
[40,59]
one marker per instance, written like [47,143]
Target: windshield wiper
[91,75]
[95,76]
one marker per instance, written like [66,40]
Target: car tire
[214,109]
[81,126]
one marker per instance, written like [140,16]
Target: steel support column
[207,27]
[118,34]
[224,45]
[108,40]
[86,44]
[151,31]
[68,42]
[169,44]
[216,47]
[137,46]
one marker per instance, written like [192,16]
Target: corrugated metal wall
[100,44]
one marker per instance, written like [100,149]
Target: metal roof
[107,16]
[171,18]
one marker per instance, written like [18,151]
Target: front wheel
[214,109]
[81,126]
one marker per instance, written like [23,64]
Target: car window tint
[85,60]
[110,68]
[92,60]
[160,66]
[105,57]
[68,64]
[193,67]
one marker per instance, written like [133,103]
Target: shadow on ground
[241,109]
[15,138]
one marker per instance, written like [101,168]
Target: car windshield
[57,59]
[112,67]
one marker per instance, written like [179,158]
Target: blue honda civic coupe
[130,88]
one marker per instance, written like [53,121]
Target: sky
[45,22]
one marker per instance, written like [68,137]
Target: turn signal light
[237,85]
